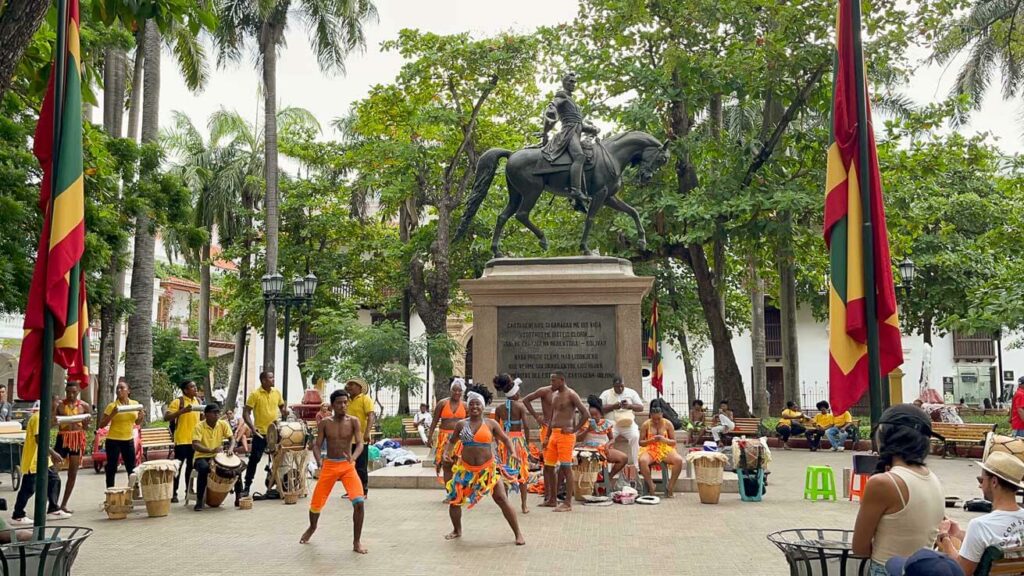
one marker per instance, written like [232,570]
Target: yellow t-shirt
[210,437]
[266,408]
[843,419]
[186,423]
[29,452]
[823,421]
[360,407]
[122,422]
[788,416]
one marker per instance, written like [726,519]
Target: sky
[300,82]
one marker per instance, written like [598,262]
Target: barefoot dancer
[565,402]
[474,473]
[446,414]
[544,394]
[658,446]
[510,416]
[71,437]
[340,431]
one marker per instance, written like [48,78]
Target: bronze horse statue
[528,175]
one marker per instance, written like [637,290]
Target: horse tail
[485,169]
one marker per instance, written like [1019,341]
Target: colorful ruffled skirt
[657,451]
[515,466]
[443,437]
[471,484]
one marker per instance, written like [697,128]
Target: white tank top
[914,527]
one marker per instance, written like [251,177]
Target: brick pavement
[404,533]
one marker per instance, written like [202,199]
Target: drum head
[224,460]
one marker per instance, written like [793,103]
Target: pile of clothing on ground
[392,453]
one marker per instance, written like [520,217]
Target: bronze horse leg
[514,201]
[596,201]
[618,204]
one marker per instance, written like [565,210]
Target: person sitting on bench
[696,425]
[791,423]
[1001,476]
[724,422]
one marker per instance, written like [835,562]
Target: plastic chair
[858,482]
[754,475]
[820,483]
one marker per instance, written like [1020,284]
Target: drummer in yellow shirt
[120,443]
[207,439]
[28,479]
[264,406]
[183,414]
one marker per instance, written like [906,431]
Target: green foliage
[19,196]
[174,361]
[391,426]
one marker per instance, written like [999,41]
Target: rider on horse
[564,109]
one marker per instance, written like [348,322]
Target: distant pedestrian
[1017,409]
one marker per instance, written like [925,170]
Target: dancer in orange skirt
[511,416]
[658,446]
[474,472]
[447,413]
[71,437]
[341,432]
[597,433]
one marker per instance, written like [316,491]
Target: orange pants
[559,450]
[332,472]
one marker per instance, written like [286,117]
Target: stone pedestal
[578,315]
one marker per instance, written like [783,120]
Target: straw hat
[363,386]
[1005,466]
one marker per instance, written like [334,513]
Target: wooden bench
[157,438]
[998,562]
[409,429]
[744,427]
[960,434]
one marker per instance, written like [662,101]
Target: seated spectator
[325,412]
[924,562]
[1001,477]
[837,428]
[658,446]
[723,423]
[842,428]
[791,423]
[422,420]
[696,424]
[903,502]
[597,433]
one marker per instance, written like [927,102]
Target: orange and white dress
[657,451]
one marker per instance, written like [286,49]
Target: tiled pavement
[404,533]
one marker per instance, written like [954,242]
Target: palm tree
[335,29]
[991,32]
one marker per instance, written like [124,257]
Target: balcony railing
[973,347]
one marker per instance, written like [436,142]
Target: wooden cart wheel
[16,477]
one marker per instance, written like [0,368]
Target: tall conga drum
[708,469]
[223,474]
[585,469]
[157,482]
[287,436]
[999,443]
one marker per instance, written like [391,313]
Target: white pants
[717,431]
[423,433]
[632,435]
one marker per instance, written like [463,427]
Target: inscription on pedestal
[534,341]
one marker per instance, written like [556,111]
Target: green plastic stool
[819,484]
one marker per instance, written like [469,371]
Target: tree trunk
[759,378]
[241,336]
[135,103]
[728,380]
[926,330]
[271,198]
[204,314]
[19,20]
[113,90]
[788,310]
[719,269]
[406,223]
[139,346]
[691,382]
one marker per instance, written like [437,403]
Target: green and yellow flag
[58,281]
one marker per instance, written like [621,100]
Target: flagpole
[46,374]
[868,238]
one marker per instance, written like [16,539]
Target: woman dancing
[474,472]
[446,414]
[511,416]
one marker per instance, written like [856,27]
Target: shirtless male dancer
[543,393]
[340,431]
[565,403]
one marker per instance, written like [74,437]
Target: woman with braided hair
[903,502]
[512,417]
[474,472]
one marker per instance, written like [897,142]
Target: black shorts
[63,450]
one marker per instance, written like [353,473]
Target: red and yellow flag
[58,281]
[657,377]
[848,359]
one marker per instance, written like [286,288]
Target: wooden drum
[587,466]
[708,469]
[223,474]
[157,481]
[997,443]
[118,503]
[286,436]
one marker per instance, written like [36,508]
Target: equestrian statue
[588,173]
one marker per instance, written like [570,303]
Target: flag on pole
[848,317]
[58,281]
[653,352]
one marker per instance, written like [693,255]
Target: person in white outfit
[623,404]
[723,422]
[422,420]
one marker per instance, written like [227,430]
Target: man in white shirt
[422,420]
[623,403]
[1001,477]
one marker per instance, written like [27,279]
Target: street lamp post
[301,298]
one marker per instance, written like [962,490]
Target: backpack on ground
[668,413]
